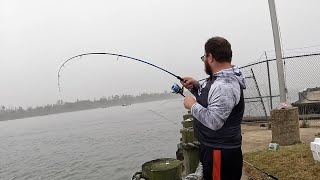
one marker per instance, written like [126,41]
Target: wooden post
[191,159]
[190,152]
[160,169]
[188,135]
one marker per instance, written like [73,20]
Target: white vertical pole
[276,39]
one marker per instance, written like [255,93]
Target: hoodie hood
[235,72]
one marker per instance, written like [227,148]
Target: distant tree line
[61,107]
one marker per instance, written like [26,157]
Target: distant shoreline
[25,114]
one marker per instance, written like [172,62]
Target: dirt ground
[256,138]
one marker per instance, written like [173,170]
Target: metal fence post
[269,81]
[259,93]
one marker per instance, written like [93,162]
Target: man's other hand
[188,102]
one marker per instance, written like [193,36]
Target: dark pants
[221,164]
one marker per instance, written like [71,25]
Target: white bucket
[315,148]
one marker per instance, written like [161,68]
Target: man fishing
[218,110]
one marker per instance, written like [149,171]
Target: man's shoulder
[220,87]
[224,81]
[225,84]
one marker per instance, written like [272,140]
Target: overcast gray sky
[36,36]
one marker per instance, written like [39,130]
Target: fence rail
[302,78]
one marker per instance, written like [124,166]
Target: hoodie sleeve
[221,100]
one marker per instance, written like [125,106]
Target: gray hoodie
[223,96]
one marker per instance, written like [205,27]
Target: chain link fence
[302,76]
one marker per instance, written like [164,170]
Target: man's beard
[207,68]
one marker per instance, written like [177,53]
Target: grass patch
[290,162]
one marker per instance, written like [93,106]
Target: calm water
[108,143]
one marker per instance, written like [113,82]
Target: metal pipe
[277,45]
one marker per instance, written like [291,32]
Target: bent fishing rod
[175,88]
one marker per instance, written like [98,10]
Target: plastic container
[315,148]
[273,146]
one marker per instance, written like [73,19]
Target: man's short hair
[219,48]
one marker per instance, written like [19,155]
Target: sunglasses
[203,58]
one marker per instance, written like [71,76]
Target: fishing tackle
[177,89]
[118,55]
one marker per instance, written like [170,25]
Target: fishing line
[167,101]
[154,112]
[269,175]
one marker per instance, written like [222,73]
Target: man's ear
[210,58]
